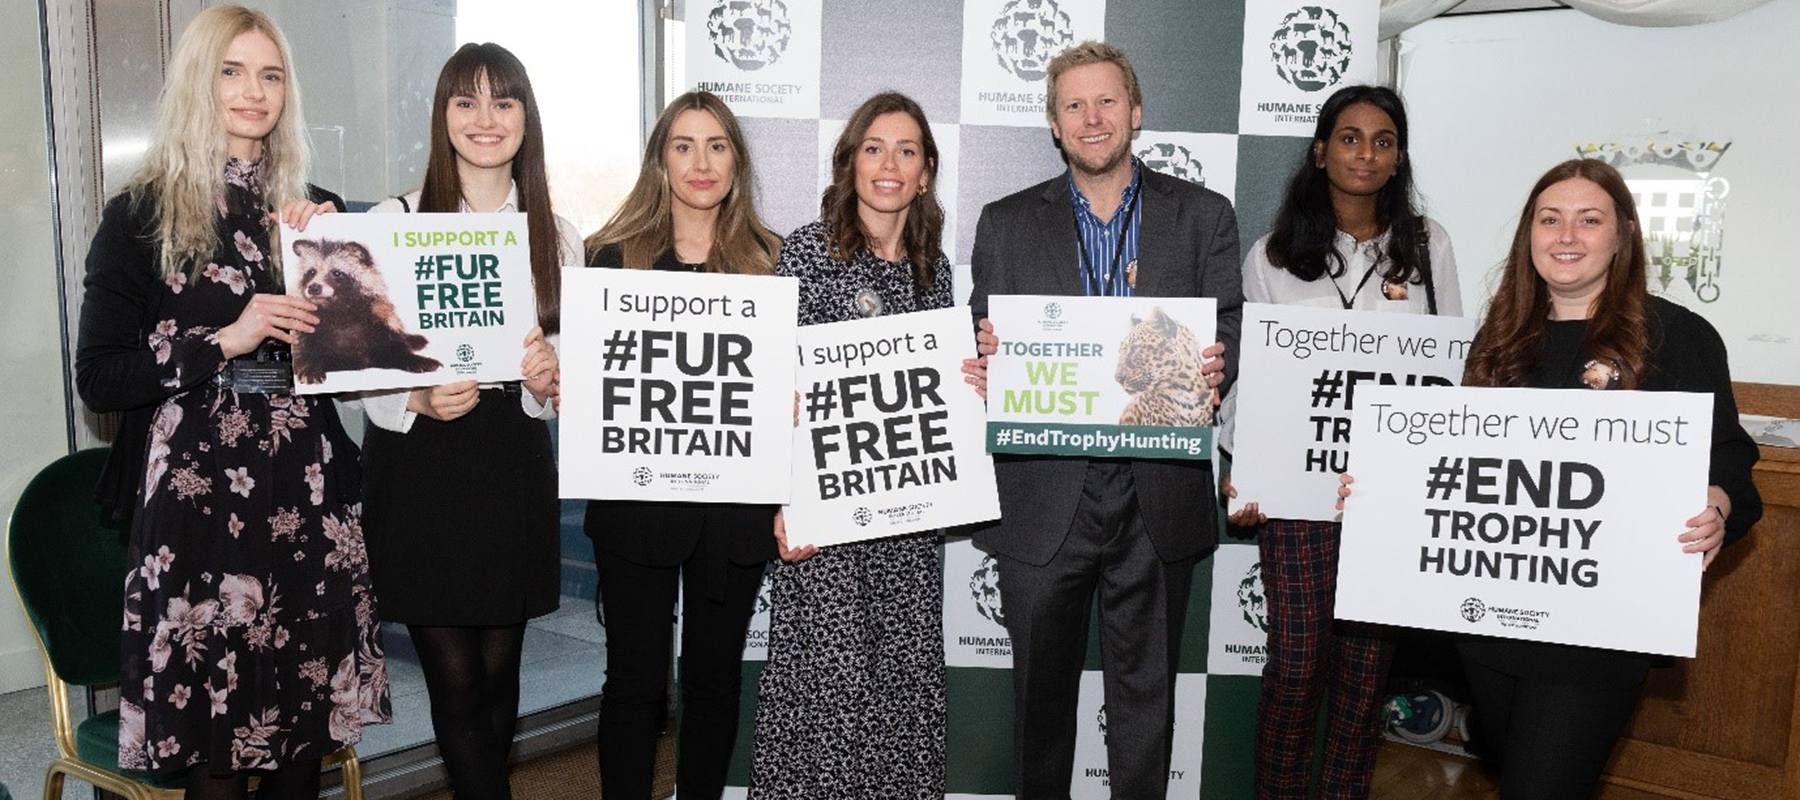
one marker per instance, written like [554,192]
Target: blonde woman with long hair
[691,211]
[250,641]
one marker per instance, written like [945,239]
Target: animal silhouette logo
[984,588]
[1311,48]
[1173,160]
[358,325]
[749,34]
[1251,600]
[1027,34]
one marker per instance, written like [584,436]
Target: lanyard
[1351,300]
[1105,287]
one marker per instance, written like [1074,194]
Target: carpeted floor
[572,775]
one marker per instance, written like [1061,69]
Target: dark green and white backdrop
[1230,89]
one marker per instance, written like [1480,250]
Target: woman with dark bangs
[461,501]
[852,698]
[692,210]
[1348,236]
[1573,312]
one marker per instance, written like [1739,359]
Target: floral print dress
[250,633]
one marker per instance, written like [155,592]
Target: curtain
[1398,15]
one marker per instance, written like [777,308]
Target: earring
[924,190]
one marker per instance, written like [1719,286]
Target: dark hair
[1306,228]
[1618,329]
[924,219]
[505,76]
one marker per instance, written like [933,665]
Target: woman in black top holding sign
[691,210]
[1347,237]
[1572,312]
[462,508]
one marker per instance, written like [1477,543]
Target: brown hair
[644,228]
[924,218]
[1618,328]
[1089,52]
[462,76]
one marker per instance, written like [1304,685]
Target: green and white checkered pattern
[1230,87]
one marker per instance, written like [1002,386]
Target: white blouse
[387,409]
[1266,283]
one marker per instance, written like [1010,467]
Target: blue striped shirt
[1099,239]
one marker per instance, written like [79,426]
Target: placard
[1100,376]
[1297,54]
[407,300]
[676,386]
[1297,386]
[1541,514]
[890,437]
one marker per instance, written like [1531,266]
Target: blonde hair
[644,226]
[183,174]
[1089,52]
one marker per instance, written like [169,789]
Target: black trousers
[1551,713]
[1143,606]
[637,607]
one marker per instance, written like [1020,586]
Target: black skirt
[461,517]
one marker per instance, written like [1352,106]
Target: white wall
[33,427]
[1495,100]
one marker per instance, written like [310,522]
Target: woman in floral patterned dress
[250,636]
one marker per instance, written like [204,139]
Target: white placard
[890,437]
[1238,631]
[1301,372]
[1093,776]
[407,300]
[1100,376]
[1006,52]
[676,386]
[1296,54]
[974,617]
[760,56]
[1541,514]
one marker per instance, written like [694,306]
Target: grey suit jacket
[1188,247]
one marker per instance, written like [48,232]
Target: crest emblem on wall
[1681,209]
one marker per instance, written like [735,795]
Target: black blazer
[1188,247]
[665,534]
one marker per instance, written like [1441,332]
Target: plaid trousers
[1308,651]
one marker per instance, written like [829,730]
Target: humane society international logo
[1473,609]
[641,476]
[1052,310]
[984,589]
[465,353]
[1251,601]
[1027,34]
[749,34]
[862,516]
[1311,48]
[1173,160]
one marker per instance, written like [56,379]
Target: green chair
[68,569]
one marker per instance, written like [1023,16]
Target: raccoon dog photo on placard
[358,325]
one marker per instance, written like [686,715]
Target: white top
[387,409]
[1267,283]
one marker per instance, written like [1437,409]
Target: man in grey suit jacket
[1131,530]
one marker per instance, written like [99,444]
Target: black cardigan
[1686,355]
[114,369]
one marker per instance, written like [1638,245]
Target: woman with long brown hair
[461,501]
[1573,312]
[691,210]
[251,644]
[852,698]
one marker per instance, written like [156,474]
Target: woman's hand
[796,555]
[267,316]
[445,403]
[1706,531]
[1246,516]
[975,370]
[300,212]
[539,367]
[556,390]
[1344,482]
[1213,369]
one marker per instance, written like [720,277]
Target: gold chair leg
[351,773]
[53,783]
